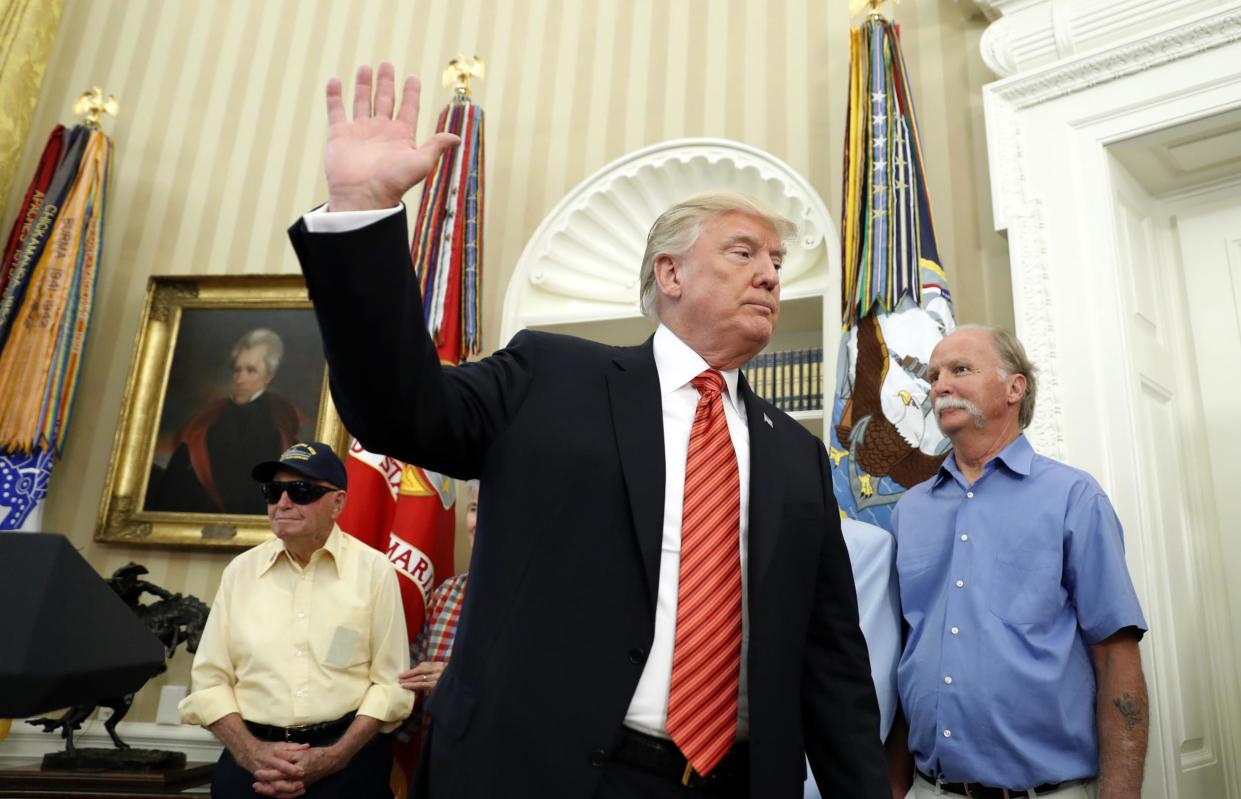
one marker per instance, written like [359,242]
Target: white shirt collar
[677,365]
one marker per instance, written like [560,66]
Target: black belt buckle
[300,730]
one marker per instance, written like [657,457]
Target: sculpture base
[23,781]
[114,760]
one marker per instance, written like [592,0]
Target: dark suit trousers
[622,781]
[366,776]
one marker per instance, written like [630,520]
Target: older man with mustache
[1020,674]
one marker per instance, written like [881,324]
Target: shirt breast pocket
[1025,585]
[345,643]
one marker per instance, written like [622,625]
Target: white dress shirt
[321,220]
[677,365]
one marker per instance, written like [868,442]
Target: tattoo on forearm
[1131,710]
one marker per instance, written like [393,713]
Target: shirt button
[956,630]
[300,653]
[947,733]
[969,494]
[301,693]
[965,537]
[960,583]
[948,679]
[301,615]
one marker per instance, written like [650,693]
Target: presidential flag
[895,304]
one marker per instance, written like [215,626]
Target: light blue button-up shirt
[1004,585]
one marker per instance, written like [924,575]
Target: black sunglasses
[301,492]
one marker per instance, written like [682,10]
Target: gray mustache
[945,403]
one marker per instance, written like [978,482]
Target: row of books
[791,380]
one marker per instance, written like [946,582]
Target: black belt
[301,734]
[661,757]
[976,791]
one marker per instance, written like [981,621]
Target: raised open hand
[372,160]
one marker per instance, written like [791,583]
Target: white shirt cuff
[321,220]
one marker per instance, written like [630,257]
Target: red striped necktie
[706,655]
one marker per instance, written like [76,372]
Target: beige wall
[219,138]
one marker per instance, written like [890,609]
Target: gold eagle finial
[459,72]
[91,105]
[858,6]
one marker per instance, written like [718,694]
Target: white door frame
[1048,131]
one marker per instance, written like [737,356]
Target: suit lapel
[766,486]
[637,420]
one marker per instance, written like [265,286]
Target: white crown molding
[1210,190]
[26,743]
[1029,34]
[1188,38]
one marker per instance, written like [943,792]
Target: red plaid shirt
[434,640]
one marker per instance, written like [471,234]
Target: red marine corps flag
[400,508]
[409,513]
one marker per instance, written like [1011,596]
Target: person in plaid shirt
[431,648]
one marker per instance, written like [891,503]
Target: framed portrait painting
[227,371]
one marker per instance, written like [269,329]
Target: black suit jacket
[566,436]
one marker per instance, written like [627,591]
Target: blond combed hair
[676,230]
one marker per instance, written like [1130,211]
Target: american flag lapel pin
[767,419]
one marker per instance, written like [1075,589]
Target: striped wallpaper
[218,145]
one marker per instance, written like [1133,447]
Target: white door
[1209,235]
[1191,650]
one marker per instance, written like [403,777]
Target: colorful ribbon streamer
[447,245]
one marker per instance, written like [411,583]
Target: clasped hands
[284,770]
[372,159]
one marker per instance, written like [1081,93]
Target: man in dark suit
[661,597]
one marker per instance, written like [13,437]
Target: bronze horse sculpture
[173,619]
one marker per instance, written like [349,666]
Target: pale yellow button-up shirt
[286,645]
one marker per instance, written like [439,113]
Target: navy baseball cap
[310,458]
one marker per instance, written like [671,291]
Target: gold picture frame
[195,351]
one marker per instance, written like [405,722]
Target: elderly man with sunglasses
[297,670]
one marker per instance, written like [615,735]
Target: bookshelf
[578,274]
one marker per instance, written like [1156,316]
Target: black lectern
[65,636]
